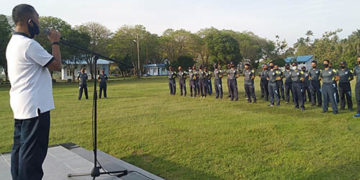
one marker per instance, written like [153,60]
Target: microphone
[47,32]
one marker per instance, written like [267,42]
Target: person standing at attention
[346,75]
[182,81]
[82,78]
[288,83]
[103,84]
[218,75]
[315,87]
[328,76]
[264,83]
[249,76]
[172,84]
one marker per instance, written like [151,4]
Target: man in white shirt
[31,92]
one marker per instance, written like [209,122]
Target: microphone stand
[95,172]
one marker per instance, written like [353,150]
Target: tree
[202,47]
[123,46]
[74,56]
[223,48]
[5,34]
[303,46]
[252,47]
[184,62]
[99,39]
[328,47]
[178,43]
[351,48]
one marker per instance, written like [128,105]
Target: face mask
[271,67]
[294,67]
[342,67]
[359,62]
[33,30]
[326,65]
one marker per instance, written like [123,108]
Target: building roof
[154,65]
[99,61]
[299,59]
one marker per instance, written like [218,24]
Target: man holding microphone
[31,99]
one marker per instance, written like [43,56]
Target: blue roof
[299,59]
[99,61]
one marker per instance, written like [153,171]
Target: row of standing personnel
[320,86]
[200,81]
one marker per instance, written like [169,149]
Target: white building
[155,70]
[70,68]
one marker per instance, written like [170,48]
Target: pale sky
[288,18]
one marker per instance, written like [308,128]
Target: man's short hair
[22,13]
[327,61]
[314,61]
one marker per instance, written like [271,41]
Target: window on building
[69,72]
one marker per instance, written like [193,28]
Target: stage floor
[70,158]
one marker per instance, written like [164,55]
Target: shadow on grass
[344,171]
[165,168]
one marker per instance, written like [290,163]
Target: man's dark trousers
[345,92]
[264,89]
[81,89]
[102,88]
[172,86]
[273,93]
[31,138]
[315,90]
[218,88]
[182,85]
[233,90]
[328,92]
[193,87]
[288,90]
[298,93]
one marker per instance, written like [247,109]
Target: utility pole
[138,54]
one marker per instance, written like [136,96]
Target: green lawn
[192,138]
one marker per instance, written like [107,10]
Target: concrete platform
[70,158]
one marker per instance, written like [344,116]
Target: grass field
[192,138]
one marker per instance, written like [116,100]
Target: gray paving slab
[61,161]
[111,163]
[4,167]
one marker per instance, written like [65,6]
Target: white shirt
[30,79]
